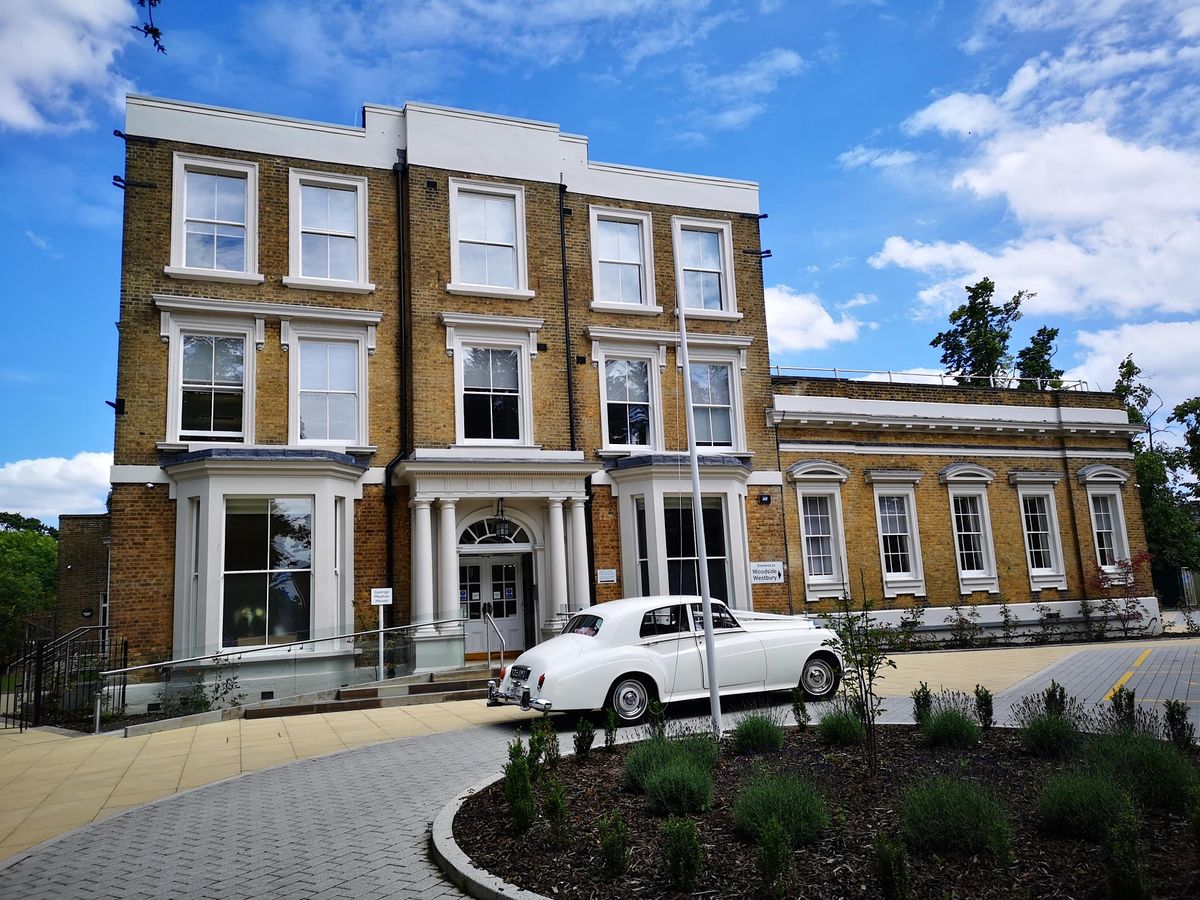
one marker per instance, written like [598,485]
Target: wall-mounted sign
[766,573]
[606,576]
[381,596]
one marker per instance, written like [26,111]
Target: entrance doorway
[493,585]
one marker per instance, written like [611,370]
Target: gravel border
[457,866]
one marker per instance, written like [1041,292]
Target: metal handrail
[488,620]
[54,643]
[1000,381]
[238,654]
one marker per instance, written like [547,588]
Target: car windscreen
[585,624]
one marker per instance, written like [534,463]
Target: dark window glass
[667,620]
[491,394]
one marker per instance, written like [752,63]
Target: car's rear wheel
[630,697]
[819,678]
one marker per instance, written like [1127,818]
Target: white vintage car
[625,653]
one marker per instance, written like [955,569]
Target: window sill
[970,584]
[186,273]
[328,284]
[894,587]
[483,290]
[718,315]
[629,309]
[1042,581]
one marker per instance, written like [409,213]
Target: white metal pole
[710,655]
[382,673]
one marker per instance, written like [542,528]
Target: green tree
[1172,535]
[17,522]
[975,347]
[1187,414]
[28,581]
[1035,364]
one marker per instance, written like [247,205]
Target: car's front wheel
[819,678]
[630,697]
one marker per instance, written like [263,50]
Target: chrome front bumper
[517,695]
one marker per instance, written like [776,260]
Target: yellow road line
[1120,683]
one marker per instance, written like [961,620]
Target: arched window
[494,531]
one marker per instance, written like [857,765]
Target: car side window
[721,616]
[667,620]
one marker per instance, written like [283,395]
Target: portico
[494,534]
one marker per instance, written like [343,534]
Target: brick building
[438,352]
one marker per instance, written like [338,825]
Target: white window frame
[1042,578]
[511,191]
[724,229]
[735,360]
[332,332]
[1107,481]
[653,359]
[190,162]
[647,306]
[818,478]
[502,333]
[971,480]
[899,483]
[298,178]
[178,325]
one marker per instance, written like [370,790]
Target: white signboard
[766,573]
[606,576]
[381,596]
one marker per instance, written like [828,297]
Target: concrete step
[440,697]
[309,709]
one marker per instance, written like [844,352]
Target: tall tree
[1035,364]
[1187,414]
[1133,391]
[17,522]
[28,577]
[975,347]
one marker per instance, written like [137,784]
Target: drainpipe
[566,296]
[787,553]
[402,344]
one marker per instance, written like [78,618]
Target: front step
[434,687]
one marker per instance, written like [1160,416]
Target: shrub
[610,729]
[614,842]
[657,716]
[774,857]
[756,733]
[1123,859]
[679,787]
[941,814]
[1156,774]
[1180,731]
[558,816]
[841,727]
[983,707]
[654,754]
[1077,805]
[682,853]
[800,709]
[1050,737]
[950,728]
[891,868]
[1054,699]
[1122,702]
[585,735]
[518,791]
[922,699]
[790,799]
[551,755]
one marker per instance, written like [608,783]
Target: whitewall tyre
[630,697]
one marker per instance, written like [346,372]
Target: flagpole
[710,655]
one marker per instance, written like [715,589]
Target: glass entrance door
[492,584]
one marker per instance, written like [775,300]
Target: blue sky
[904,149]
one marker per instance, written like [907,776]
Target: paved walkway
[353,824]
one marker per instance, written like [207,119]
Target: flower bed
[842,860]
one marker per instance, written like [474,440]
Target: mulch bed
[840,865]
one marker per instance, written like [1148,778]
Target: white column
[447,561]
[556,550]
[422,562]
[580,571]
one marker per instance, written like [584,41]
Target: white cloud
[1166,352]
[858,300]
[800,322]
[915,375]
[57,59]
[731,99]
[860,156]
[1094,150]
[42,244]
[49,487]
